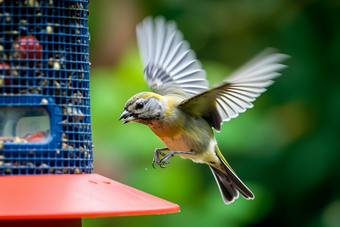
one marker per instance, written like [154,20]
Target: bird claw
[164,160]
[157,160]
[166,157]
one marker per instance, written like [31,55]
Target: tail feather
[229,184]
[228,191]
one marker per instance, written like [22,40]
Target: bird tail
[229,184]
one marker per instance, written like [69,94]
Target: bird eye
[140,105]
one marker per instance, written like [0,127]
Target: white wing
[167,58]
[236,94]
[248,82]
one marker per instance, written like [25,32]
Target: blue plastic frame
[44,56]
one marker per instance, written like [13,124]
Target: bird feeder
[46,156]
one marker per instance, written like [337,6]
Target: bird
[183,111]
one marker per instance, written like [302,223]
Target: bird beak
[126,116]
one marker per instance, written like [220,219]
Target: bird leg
[158,151]
[165,158]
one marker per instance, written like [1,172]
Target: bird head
[144,108]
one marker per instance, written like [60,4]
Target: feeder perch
[46,157]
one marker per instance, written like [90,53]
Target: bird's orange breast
[163,129]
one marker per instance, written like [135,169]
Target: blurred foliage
[286,149]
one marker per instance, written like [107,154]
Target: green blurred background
[286,149]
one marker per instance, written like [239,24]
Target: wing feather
[236,94]
[168,61]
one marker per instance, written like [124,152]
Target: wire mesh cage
[45,125]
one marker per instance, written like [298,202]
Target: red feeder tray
[64,199]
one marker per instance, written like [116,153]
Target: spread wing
[169,64]
[236,94]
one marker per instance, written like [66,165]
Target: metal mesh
[45,125]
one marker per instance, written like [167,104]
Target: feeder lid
[74,196]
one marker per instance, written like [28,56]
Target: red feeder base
[71,197]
